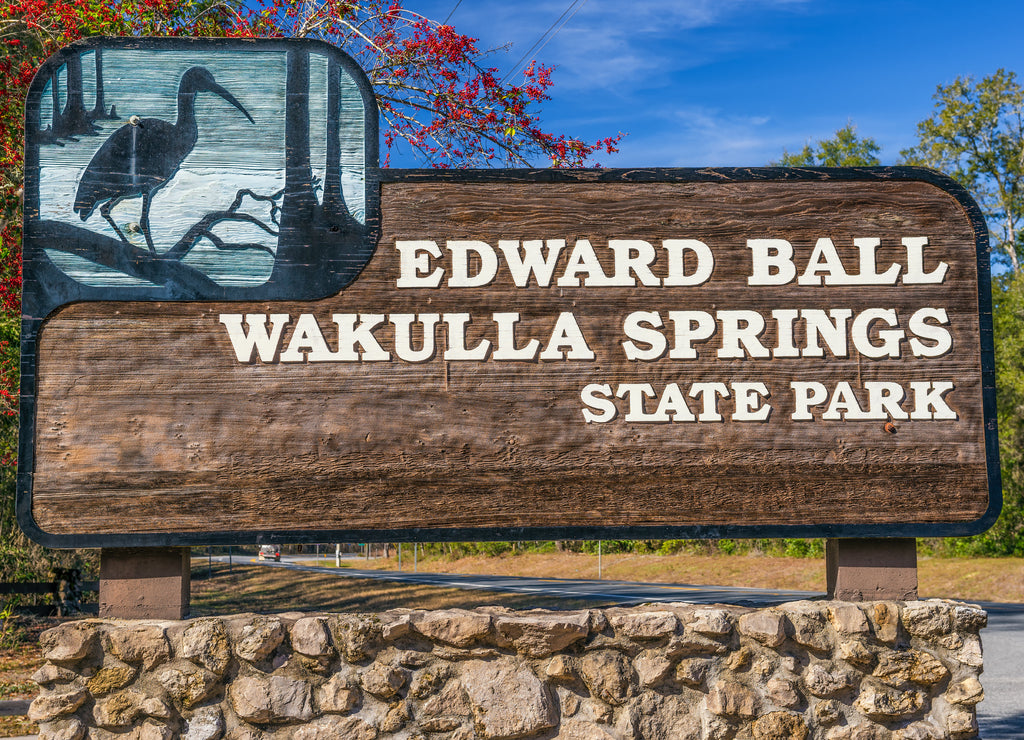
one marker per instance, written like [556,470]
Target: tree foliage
[844,149]
[976,135]
[434,89]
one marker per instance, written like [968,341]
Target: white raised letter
[676,262]
[825,250]
[741,327]
[349,335]
[460,277]
[915,263]
[403,335]
[928,396]
[307,336]
[634,393]
[606,407]
[634,328]
[258,340]
[506,348]
[414,262]
[567,333]
[917,325]
[457,340]
[861,333]
[767,255]
[690,327]
[532,260]
[583,259]
[747,400]
[709,393]
[805,395]
[635,255]
[884,400]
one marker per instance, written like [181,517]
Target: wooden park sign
[238,328]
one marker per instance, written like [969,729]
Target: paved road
[1000,715]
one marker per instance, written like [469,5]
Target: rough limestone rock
[608,676]
[968,691]
[767,627]
[652,668]
[310,636]
[271,699]
[112,675]
[205,724]
[780,726]
[70,728]
[68,643]
[118,710]
[708,621]
[49,673]
[885,621]
[884,703]
[507,699]
[335,728]
[259,638]
[828,670]
[449,706]
[541,635]
[910,666]
[808,624]
[823,680]
[784,692]
[922,618]
[848,619]
[655,716]
[355,636]
[337,695]
[140,643]
[47,707]
[187,684]
[645,625]
[693,672]
[205,641]
[731,698]
[456,627]
[382,680]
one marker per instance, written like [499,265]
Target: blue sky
[734,82]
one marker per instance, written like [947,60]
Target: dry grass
[254,588]
[979,579]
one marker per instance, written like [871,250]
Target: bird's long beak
[215,88]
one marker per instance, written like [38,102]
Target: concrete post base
[871,569]
[145,583]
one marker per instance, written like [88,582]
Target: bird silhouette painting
[141,156]
[225,169]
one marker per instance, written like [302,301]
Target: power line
[574,6]
[450,14]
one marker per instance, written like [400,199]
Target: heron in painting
[144,154]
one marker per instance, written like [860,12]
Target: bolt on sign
[237,327]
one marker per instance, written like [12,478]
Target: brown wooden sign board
[536,354]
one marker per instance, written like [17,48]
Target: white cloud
[609,44]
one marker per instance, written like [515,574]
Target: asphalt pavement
[1000,715]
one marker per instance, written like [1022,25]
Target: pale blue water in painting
[231,154]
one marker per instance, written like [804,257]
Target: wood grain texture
[147,423]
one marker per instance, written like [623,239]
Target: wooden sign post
[418,355]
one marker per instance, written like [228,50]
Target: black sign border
[31,327]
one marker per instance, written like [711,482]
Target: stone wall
[833,670]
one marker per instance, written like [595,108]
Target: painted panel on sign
[156,169]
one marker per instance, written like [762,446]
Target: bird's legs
[105,212]
[144,222]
